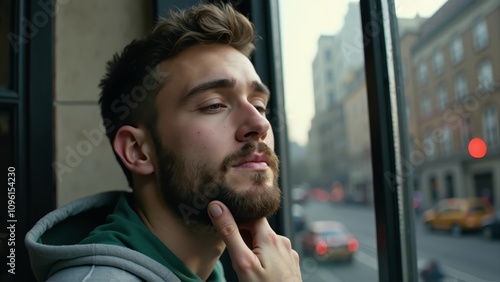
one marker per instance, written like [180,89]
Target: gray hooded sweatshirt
[101,238]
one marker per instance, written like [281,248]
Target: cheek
[201,143]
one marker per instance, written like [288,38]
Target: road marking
[366,259]
[450,272]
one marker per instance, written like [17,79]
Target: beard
[189,186]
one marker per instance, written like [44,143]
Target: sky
[301,25]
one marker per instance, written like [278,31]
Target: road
[467,258]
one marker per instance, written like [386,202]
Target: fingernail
[214,210]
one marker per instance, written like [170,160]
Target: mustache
[247,150]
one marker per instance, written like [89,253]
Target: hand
[262,255]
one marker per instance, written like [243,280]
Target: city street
[467,258]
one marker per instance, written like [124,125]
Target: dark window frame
[29,97]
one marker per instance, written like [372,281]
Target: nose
[253,127]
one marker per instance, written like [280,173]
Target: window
[422,73]
[442,96]
[329,75]
[491,127]
[438,163]
[447,140]
[328,55]
[430,145]
[426,104]
[485,76]
[457,50]
[465,131]
[460,87]
[438,62]
[26,83]
[480,35]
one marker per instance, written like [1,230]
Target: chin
[250,181]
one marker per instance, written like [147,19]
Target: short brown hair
[130,85]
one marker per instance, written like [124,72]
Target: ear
[132,146]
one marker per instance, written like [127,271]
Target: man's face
[214,139]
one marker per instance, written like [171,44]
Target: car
[490,228]
[298,217]
[299,195]
[457,215]
[329,240]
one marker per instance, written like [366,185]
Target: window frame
[29,96]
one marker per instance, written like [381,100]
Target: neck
[199,248]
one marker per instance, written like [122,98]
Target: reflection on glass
[454,135]
[5,18]
[330,159]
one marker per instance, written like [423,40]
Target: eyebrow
[222,83]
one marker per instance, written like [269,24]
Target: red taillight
[321,248]
[353,245]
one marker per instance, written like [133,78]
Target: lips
[254,160]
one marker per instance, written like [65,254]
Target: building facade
[454,97]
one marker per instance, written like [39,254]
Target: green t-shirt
[124,228]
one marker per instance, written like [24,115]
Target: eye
[215,107]
[262,110]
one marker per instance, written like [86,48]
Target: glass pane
[454,149]
[330,160]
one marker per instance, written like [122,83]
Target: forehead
[205,62]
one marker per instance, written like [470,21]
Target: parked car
[329,240]
[491,226]
[298,217]
[299,195]
[457,215]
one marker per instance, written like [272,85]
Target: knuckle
[228,230]
[295,255]
[287,243]
[272,237]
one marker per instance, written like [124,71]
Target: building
[359,189]
[454,96]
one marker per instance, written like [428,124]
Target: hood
[53,243]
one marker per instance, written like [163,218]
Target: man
[197,150]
